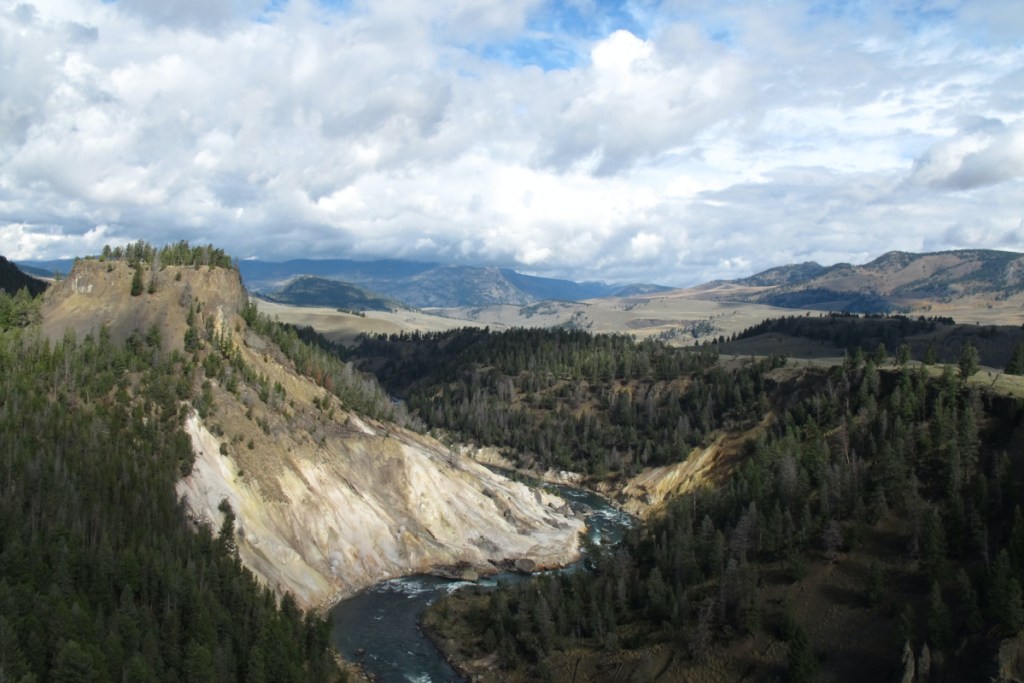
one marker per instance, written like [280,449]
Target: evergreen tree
[802,663]
[137,281]
[1005,600]
[968,361]
[73,665]
[940,629]
[226,536]
[903,354]
[1016,364]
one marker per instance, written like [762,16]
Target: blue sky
[673,142]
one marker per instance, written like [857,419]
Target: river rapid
[379,627]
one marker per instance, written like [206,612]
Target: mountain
[330,493]
[47,268]
[785,275]
[892,282]
[13,279]
[310,290]
[260,276]
[424,285]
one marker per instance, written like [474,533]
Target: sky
[674,141]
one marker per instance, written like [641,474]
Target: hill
[102,576]
[47,268]
[13,279]
[310,290]
[846,522]
[934,339]
[895,281]
[423,285]
[329,491]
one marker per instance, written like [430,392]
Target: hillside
[310,290]
[843,523]
[894,281]
[928,339]
[12,279]
[329,493]
[102,576]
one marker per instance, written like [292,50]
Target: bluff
[326,499]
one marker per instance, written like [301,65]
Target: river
[382,622]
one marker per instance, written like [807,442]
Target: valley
[971,287]
[801,478]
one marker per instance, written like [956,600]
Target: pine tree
[802,663]
[73,665]
[968,361]
[226,536]
[903,354]
[968,598]
[1005,601]
[137,281]
[1016,364]
[940,628]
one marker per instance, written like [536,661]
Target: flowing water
[382,622]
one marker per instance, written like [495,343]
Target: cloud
[198,14]
[987,153]
[657,141]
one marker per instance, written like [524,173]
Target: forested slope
[12,280]
[102,576]
[880,510]
[328,488]
[569,399]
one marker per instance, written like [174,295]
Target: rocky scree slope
[327,501]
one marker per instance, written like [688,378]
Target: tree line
[177,254]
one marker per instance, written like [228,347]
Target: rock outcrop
[97,294]
[373,503]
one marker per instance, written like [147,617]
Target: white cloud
[701,140]
[645,246]
[989,153]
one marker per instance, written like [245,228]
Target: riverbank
[384,622]
[643,493]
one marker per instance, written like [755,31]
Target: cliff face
[372,502]
[327,502]
[98,294]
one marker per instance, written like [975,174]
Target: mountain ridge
[433,285]
[894,281]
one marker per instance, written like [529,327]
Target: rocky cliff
[327,501]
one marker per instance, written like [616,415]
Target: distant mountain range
[894,281]
[426,285]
